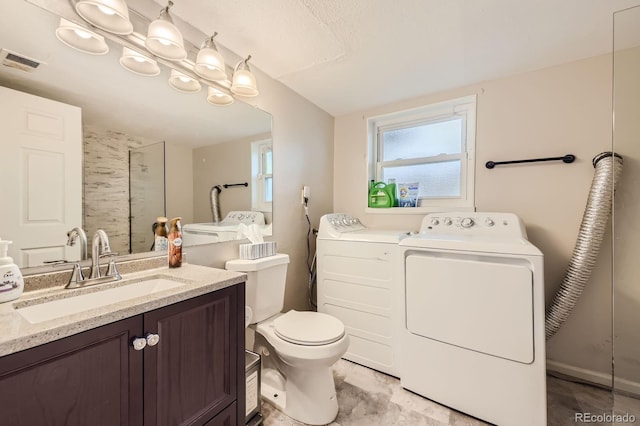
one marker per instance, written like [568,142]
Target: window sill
[417,210]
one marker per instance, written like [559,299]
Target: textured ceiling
[349,55]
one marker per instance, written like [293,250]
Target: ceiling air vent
[18,61]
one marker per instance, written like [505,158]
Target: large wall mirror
[148,150]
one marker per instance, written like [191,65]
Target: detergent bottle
[379,195]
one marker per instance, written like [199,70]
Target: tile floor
[371,398]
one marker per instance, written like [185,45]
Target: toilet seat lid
[308,328]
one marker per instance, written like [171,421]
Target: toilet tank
[265,284]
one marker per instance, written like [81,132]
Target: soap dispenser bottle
[175,243]
[11,282]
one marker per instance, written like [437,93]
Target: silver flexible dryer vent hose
[215,203]
[592,229]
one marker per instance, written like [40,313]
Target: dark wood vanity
[194,375]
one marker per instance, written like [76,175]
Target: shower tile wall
[106,183]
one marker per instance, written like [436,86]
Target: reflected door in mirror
[40,177]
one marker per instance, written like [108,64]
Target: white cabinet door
[40,177]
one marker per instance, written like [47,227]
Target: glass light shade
[183,82]
[80,38]
[164,39]
[209,62]
[109,15]
[138,63]
[218,97]
[244,83]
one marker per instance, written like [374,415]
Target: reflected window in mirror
[262,175]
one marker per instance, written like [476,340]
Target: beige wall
[302,155]
[222,163]
[550,112]
[179,181]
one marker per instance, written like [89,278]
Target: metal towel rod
[569,158]
[227,185]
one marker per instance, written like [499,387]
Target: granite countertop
[16,333]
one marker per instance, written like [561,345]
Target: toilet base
[309,396]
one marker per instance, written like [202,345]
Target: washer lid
[308,328]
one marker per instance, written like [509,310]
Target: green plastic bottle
[379,195]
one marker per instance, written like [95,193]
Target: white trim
[417,210]
[465,107]
[591,376]
[258,177]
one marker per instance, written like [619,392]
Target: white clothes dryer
[358,283]
[473,333]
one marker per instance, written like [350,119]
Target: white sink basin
[53,309]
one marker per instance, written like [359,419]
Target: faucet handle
[77,277]
[112,267]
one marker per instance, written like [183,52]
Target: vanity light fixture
[218,97]
[244,82]
[138,63]
[80,38]
[209,62]
[109,15]
[164,38]
[183,82]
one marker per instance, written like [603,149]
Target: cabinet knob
[139,343]
[152,339]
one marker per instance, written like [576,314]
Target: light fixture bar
[136,41]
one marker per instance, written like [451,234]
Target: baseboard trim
[594,377]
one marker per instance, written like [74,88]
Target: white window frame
[461,107]
[258,175]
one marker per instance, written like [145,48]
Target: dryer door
[480,303]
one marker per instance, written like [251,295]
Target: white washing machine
[473,335]
[194,234]
[358,282]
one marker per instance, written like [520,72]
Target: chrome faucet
[100,246]
[78,233]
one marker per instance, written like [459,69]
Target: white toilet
[298,379]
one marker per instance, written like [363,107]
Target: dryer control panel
[473,223]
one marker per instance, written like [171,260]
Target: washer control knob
[466,222]
[489,222]
[447,222]
[435,222]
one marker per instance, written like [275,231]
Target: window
[262,175]
[432,146]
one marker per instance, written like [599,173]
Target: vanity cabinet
[192,376]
